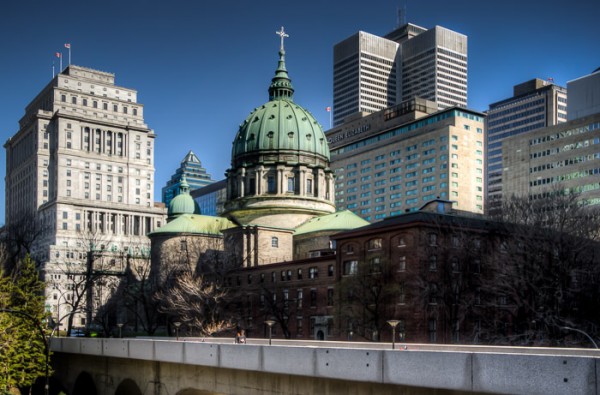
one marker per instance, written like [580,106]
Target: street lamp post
[582,332]
[177,325]
[270,323]
[393,324]
[120,327]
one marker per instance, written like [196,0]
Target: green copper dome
[279,125]
[183,203]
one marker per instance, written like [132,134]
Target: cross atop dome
[282,34]
[281,85]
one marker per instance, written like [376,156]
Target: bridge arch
[84,385]
[128,387]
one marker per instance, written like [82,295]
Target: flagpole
[68,46]
[53,69]
[330,122]
[60,57]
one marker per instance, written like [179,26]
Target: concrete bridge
[216,366]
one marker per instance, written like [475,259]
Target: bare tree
[18,239]
[367,297]
[196,269]
[196,302]
[92,272]
[545,270]
[447,285]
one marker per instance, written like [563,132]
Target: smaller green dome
[183,203]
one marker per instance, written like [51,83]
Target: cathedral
[279,212]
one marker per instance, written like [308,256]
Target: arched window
[274,242]
[374,244]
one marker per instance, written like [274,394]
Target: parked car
[77,333]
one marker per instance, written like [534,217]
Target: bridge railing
[463,368]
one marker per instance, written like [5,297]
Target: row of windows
[94,104]
[566,162]
[287,275]
[565,133]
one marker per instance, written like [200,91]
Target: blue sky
[200,67]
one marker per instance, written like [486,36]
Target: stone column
[241,181]
[302,180]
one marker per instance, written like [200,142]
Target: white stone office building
[397,159]
[82,163]
[535,104]
[371,73]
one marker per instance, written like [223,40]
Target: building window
[299,274]
[291,184]
[433,294]
[271,184]
[401,294]
[329,296]
[433,239]
[375,265]
[455,264]
[433,262]
[432,330]
[299,298]
[309,187]
[402,263]
[313,298]
[313,272]
[350,267]
[274,242]
[330,270]
[374,244]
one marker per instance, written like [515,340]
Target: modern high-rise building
[211,198]
[584,95]
[195,175]
[558,158]
[433,66]
[371,73]
[82,165]
[397,159]
[535,104]
[364,75]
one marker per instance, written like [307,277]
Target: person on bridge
[240,337]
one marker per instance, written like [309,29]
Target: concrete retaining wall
[453,370]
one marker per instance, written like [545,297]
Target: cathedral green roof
[339,221]
[280,124]
[195,224]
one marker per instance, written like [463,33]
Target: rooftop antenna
[401,15]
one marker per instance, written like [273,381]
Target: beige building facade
[82,163]
[399,158]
